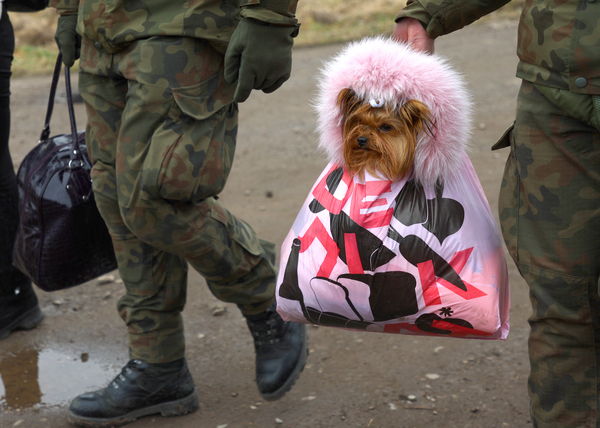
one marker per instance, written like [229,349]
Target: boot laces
[268,331]
[125,372]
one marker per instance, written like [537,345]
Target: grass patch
[35,51]
[30,60]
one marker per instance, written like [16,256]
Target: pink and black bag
[421,255]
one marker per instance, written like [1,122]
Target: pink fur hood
[385,70]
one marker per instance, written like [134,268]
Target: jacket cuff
[417,11]
[267,16]
[441,17]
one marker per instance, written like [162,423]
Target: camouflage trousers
[550,217]
[162,133]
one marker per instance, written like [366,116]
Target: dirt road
[352,379]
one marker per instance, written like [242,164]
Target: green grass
[31,60]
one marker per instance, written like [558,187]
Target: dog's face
[380,140]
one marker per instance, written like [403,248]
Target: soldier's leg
[155,281]
[180,127]
[178,131]
[551,223]
[157,379]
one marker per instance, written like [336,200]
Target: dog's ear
[347,100]
[417,115]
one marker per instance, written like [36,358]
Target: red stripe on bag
[326,198]
[456,330]
[429,281]
[360,206]
[352,254]
[317,231]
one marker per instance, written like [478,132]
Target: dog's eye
[385,127]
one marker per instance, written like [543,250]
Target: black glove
[67,39]
[259,56]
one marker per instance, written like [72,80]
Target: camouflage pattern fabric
[112,24]
[549,201]
[550,217]
[161,133]
[558,42]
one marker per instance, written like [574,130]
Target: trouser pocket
[191,153]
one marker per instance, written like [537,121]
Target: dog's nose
[362,141]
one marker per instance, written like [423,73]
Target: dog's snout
[362,141]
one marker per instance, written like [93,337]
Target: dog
[379,138]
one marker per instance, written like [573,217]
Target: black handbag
[25,5]
[61,239]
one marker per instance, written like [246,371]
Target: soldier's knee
[177,182]
[158,222]
[138,220]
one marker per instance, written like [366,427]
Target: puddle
[47,377]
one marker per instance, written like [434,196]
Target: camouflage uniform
[162,132]
[549,201]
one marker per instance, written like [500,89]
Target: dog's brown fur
[391,135]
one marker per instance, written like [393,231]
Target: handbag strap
[71,111]
[75,152]
[55,75]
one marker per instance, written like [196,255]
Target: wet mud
[34,377]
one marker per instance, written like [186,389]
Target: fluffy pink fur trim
[382,69]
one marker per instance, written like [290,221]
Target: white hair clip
[376,103]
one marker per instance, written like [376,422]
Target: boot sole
[291,380]
[180,407]
[26,321]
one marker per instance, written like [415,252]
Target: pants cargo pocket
[238,230]
[508,201]
[232,253]
[191,153]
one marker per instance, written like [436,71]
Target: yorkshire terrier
[378,138]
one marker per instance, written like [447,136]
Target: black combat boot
[19,309]
[141,389]
[280,352]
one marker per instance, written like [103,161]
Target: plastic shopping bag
[394,257]
[417,255]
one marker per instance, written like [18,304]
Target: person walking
[549,202]
[161,81]
[19,308]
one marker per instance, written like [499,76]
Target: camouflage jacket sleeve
[441,17]
[65,7]
[274,12]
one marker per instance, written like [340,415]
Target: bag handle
[55,75]
[76,159]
